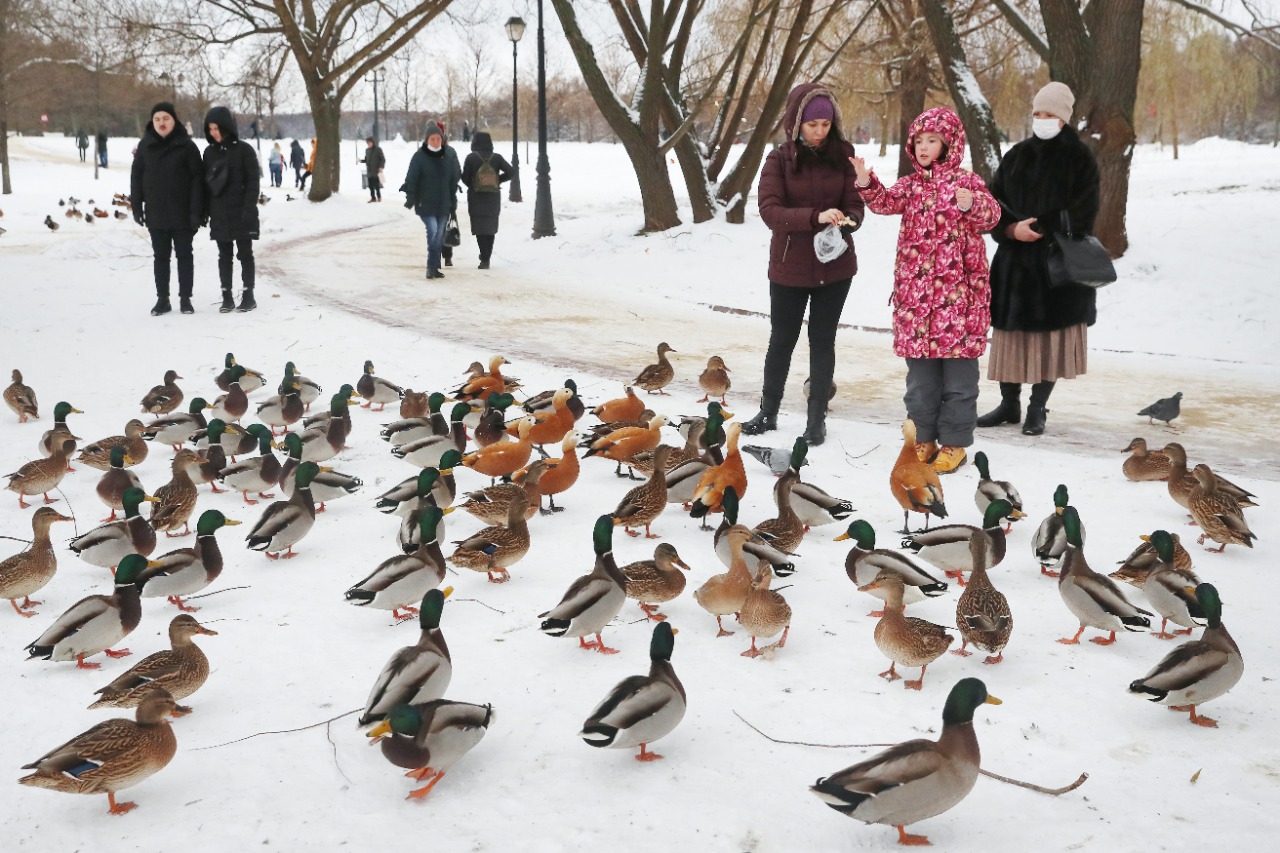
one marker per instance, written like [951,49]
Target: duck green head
[368,367]
[289,369]
[1210,603]
[306,472]
[1060,498]
[339,403]
[663,642]
[215,429]
[211,520]
[964,699]
[348,390]
[980,462]
[230,361]
[198,405]
[459,411]
[426,481]
[798,452]
[237,373]
[432,607]
[1162,542]
[131,500]
[435,401]
[117,456]
[449,460]
[293,444]
[602,535]
[428,522]
[1071,525]
[996,511]
[130,569]
[403,720]
[729,502]
[63,409]
[862,533]
[501,402]
[262,434]
[713,434]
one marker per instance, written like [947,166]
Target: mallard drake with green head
[543,401]
[258,473]
[1094,598]
[417,673]
[640,709]
[322,419]
[308,391]
[1219,515]
[591,601]
[1050,541]
[163,398]
[754,549]
[917,779]
[375,389]
[983,616]
[283,409]
[490,424]
[431,737]
[107,544]
[115,482]
[21,399]
[1198,671]
[764,613]
[26,573]
[426,452]
[41,476]
[322,443]
[683,479]
[328,485]
[232,406]
[98,454]
[905,639]
[865,562]
[1171,590]
[181,669]
[400,581]
[284,523]
[187,571]
[96,623]
[1143,465]
[1135,568]
[113,755]
[996,490]
[406,430]
[175,429]
[434,486]
[60,434]
[947,547]
[250,382]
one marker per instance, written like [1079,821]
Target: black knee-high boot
[766,420]
[1036,411]
[1010,409]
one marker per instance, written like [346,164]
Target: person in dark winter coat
[102,149]
[807,183]
[233,178]
[483,173]
[1040,332]
[431,191]
[82,142]
[374,162]
[298,161]
[166,191]
[446,251]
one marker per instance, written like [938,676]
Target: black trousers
[164,244]
[244,253]
[485,242]
[375,188]
[298,172]
[786,315]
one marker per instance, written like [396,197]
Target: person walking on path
[275,162]
[941,287]
[483,173]
[807,184]
[431,191]
[374,164]
[102,149]
[446,251]
[311,167]
[233,179]
[166,192]
[1045,182]
[82,143]
[297,160]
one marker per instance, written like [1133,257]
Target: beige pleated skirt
[1030,357]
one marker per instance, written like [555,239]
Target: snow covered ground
[1195,310]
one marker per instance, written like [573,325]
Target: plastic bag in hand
[829,244]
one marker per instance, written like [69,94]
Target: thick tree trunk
[4,98]
[326,112]
[911,95]
[694,168]
[971,104]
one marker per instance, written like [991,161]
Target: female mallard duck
[1198,671]
[308,391]
[559,476]
[865,563]
[905,639]
[1050,542]
[640,709]
[493,550]
[1135,568]
[175,429]
[26,573]
[488,419]
[591,601]
[375,389]
[784,531]
[982,613]
[415,404]
[41,476]
[250,382]
[505,458]
[755,549]
[328,485]
[947,547]
[764,613]
[996,490]
[320,444]
[715,381]
[176,499]
[181,670]
[621,444]
[1094,598]
[643,504]
[232,406]
[1218,514]
[431,737]
[21,399]
[258,473]
[186,571]
[1143,465]
[1170,589]
[1182,482]
[490,504]
[709,494]
[426,452]
[657,376]
[917,779]
[163,398]
[417,673]
[915,485]
[59,434]
[115,482]
[107,544]
[550,426]
[723,594]
[98,454]
[96,623]
[656,581]
[113,755]
[402,580]
[284,523]
[406,430]
[283,409]
[628,407]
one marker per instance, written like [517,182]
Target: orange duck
[552,425]
[708,497]
[621,444]
[480,387]
[560,475]
[915,484]
[625,408]
[505,457]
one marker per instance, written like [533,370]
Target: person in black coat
[374,162]
[297,160]
[1045,184]
[233,178]
[431,191]
[166,190]
[102,148]
[484,194]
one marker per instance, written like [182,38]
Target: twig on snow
[1054,792]
[806,743]
[215,592]
[281,731]
[482,604]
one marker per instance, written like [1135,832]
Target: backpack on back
[486,178]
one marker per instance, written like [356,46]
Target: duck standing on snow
[60,434]
[431,737]
[657,376]
[21,399]
[622,444]
[764,613]
[723,594]
[1135,568]
[917,779]
[41,476]
[708,497]
[591,601]
[232,406]
[656,581]
[628,407]
[107,544]
[1169,588]
[866,562]
[494,550]
[400,581]
[417,673]
[1182,482]
[308,391]
[1217,513]
[181,669]
[176,499]
[284,523]
[98,454]
[558,476]
[947,547]
[982,613]
[26,573]
[641,709]
[915,485]
[258,473]
[1094,598]
[643,504]
[996,490]
[756,548]
[1050,541]
[715,380]
[187,571]
[905,639]
[283,409]
[250,382]
[163,398]
[115,482]
[375,389]
[96,623]
[175,429]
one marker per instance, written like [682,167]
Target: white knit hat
[1056,99]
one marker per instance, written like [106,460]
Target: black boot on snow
[815,432]
[162,306]
[247,302]
[185,306]
[766,420]
[228,304]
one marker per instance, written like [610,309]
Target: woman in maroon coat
[807,183]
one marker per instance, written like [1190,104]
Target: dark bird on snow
[1163,410]
[50,224]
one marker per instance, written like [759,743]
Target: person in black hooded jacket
[233,178]
[166,190]
[298,160]
[484,199]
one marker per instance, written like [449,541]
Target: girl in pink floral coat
[941,291]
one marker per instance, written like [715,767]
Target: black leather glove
[408,204]
[139,217]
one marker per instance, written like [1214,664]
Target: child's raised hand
[861,170]
[964,199]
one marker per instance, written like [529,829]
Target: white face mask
[431,147]
[1046,128]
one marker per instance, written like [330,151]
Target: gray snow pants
[942,399]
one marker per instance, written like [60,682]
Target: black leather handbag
[1078,259]
[452,233]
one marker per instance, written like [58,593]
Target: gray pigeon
[776,459]
[1163,410]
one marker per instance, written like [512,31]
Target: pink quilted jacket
[941,288]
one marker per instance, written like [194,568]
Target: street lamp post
[375,77]
[544,222]
[515,30]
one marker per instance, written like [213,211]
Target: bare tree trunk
[327,115]
[974,109]
[4,97]
[911,95]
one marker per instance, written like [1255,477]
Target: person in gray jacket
[374,162]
